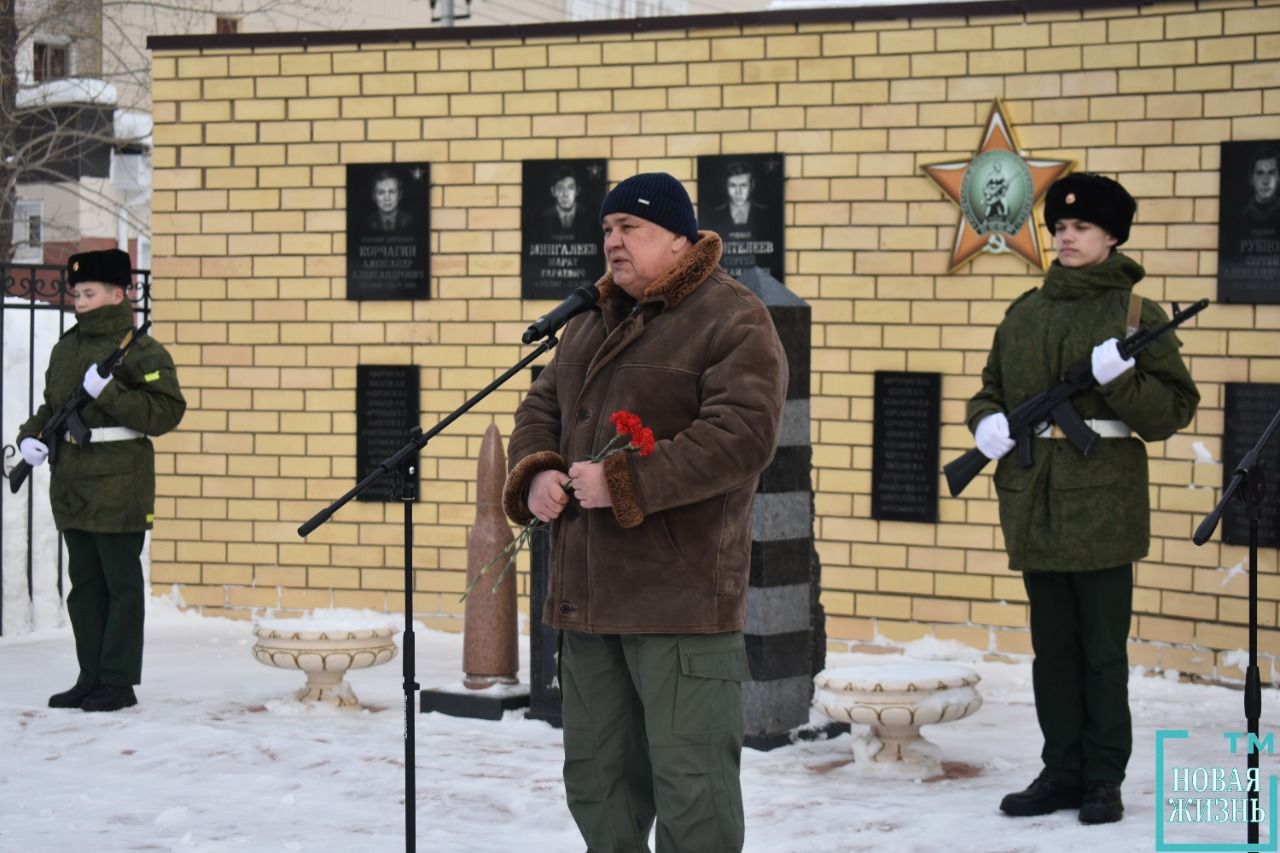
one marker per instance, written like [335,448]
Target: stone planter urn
[324,645]
[895,700]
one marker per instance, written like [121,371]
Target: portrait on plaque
[741,199]
[562,245]
[388,231]
[1249,222]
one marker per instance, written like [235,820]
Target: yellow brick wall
[251,147]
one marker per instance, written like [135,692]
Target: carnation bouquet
[632,436]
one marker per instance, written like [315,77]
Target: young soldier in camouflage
[103,492]
[1074,525]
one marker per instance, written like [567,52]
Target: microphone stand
[400,465]
[1249,484]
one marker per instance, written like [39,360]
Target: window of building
[50,61]
[28,232]
[223,25]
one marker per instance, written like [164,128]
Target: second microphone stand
[1248,483]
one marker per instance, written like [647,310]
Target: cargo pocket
[709,687]
[111,483]
[1073,470]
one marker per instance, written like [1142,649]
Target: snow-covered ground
[215,758]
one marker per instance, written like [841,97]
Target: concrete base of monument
[489,703]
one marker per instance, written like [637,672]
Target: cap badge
[1071,198]
[643,200]
[75,267]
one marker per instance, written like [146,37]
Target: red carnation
[643,441]
[627,423]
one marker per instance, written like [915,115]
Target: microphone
[582,298]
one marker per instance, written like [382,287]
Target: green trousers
[653,729]
[1079,631]
[106,605]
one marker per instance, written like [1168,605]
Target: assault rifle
[67,419]
[1053,406]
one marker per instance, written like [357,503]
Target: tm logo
[1214,795]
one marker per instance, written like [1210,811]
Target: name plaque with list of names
[904,451]
[387,407]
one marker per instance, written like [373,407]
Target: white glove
[33,450]
[1106,361]
[93,383]
[992,436]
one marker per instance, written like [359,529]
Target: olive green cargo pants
[653,728]
[106,605]
[1080,631]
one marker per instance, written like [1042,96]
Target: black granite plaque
[1249,409]
[388,231]
[562,244]
[904,451]
[740,197]
[1249,222]
[387,407]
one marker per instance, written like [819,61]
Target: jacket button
[566,608]
[583,415]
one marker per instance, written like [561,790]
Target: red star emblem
[997,190]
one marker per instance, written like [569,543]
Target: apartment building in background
[83,109]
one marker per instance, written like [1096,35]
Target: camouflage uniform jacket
[109,486]
[1068,512]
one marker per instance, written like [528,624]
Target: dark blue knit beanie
[657,197]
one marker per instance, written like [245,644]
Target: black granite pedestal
[488,704]
[785,631]
[544,681]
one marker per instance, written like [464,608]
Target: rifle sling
[1133,321]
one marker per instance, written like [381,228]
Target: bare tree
[8,130]
[59,125]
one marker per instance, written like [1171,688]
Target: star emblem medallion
[997,190]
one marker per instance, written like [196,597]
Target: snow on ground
[215,758]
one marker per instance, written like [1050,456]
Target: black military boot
[73,697]
[1102,803]
[109,697]
[1043,796]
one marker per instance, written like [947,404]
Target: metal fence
[35,311]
